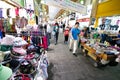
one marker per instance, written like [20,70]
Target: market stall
[102,54]
[25,61]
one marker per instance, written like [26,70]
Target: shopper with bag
[74,37]
[66,35]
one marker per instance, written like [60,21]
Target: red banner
[83,20]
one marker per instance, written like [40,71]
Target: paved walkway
[65,66]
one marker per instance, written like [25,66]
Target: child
[66,35]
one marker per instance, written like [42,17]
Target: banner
[67,5]
[19,2]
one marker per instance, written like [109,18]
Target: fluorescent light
[81,1]
[42,1]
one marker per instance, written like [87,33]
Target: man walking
[74,34]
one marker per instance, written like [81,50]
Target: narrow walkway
[65,66]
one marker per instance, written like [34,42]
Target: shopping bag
[53,33]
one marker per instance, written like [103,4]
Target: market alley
[65,66]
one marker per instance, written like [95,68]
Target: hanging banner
[67,5]
[36,8]
[19,2]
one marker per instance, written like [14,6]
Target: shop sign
[19,2]
[83,20]
[67,5]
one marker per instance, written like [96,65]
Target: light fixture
[81,1]
[42,1]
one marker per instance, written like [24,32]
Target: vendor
[118,39]
[86,32]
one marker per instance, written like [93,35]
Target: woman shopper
[66,35]
[74,34]
[56,31]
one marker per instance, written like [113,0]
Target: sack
[53,33]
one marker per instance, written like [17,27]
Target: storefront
[8,13]
[108,10]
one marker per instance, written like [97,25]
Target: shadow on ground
[50,76]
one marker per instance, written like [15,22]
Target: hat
[5,72]
[1,56]
[19,50]
[18,41]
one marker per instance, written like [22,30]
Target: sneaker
[75,54]
[70,50]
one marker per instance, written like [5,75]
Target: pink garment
[17,11]
[82,33]
[23,22]
[29,56]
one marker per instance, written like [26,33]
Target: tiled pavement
[64,66]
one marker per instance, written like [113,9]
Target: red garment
[45,45]
[17,11]
[25,77]
[66,32]
[1,24]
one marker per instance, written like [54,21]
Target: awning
[53,12]
[5,5]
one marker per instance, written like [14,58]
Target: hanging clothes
[1,13]
[12,13]
[1,24]
[1,35]
[5,13]
[23,22]
[22,13]
[8,12]
[45,43]
[17,11]
[36,40]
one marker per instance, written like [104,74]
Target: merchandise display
[23,59]
[102,53]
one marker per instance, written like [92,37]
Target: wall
[109,8]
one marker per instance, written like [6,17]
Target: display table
[97,57]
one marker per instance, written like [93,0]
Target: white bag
[53,33]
